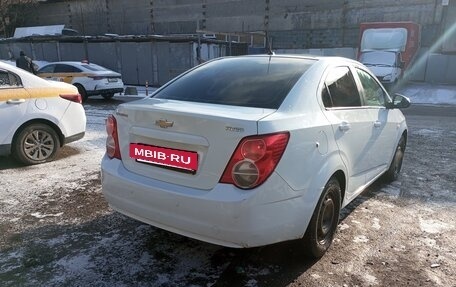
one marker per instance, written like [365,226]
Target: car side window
[47,69]
[9,80]
[62,68]
[340,89]
[373,94]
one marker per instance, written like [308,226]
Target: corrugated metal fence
[139,61]
[159,60]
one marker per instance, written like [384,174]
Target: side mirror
[399,102]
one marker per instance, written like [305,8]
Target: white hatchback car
[253,150]
[37,117]
[89,78]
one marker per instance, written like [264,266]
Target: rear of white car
[89,78]
[98,80]
[236,152]
[38,116]
[205,203]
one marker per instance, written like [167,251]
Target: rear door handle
[344,126]
[15,101]
[377,124]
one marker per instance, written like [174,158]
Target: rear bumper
[74,138]
[224,215]
[73,123]
[105,91]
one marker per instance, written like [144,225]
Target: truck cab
[388,49]
[386,65]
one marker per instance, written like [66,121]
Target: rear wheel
[82,91]
[322,227]
[394,169]
[108,96]
[36,143]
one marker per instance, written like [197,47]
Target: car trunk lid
[183,132]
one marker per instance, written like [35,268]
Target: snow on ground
[60,231]
[424,93]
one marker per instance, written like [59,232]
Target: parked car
[254,150]
[37,117]
[89,78]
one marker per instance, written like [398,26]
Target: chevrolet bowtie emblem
[164,124]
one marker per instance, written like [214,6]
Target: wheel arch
[41,121]
[405,136]
[78,84]
[82,90]
[333,167]
[341,178]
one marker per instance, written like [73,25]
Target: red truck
[388,48]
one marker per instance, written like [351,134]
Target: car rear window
[261,82]
[94,67]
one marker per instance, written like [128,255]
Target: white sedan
[89,78]
[254,150]
[37,117]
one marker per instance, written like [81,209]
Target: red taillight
[74,98]
[112,141]
[254,160]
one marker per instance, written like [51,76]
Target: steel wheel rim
[326,219]
[39,145]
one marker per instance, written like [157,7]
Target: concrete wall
[325,23]
[322,27]
[292,24]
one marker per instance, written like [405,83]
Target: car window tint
[94,67]
[62,68]
[9,80]
[47,69]
[327,102]
[261,82]
[373,94]
[340,89]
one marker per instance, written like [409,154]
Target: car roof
[74,63]
[84,66]
[324,60]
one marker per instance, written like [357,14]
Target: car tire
[107,96]
[36,143]
[323,224]
[394,169]
[82,91]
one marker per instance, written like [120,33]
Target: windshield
[378,58]
[261,82]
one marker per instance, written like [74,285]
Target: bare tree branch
[12,14]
